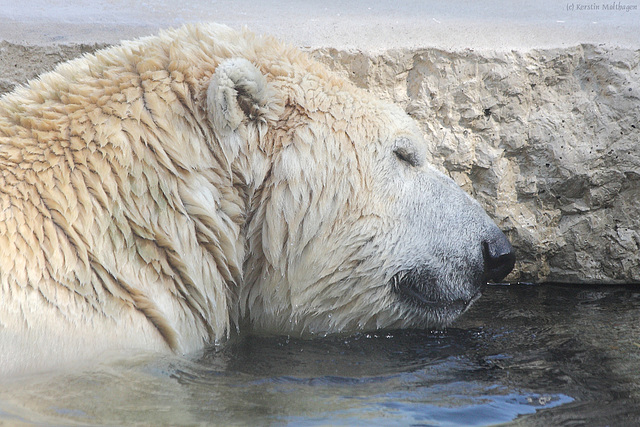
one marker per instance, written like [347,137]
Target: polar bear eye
[404,154]
[406,150]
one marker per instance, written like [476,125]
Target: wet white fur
[165,193]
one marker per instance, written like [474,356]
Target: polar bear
[168,192]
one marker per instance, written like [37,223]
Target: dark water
[527,355]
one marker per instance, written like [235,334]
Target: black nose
[499,257]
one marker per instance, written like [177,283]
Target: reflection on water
[533,355]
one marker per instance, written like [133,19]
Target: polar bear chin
[417,289]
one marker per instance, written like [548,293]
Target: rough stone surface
[20,63]
[547,140]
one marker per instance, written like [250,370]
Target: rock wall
[547,140]
[19,63]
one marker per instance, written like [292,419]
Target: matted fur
[164,193]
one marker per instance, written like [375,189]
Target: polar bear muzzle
[422,289]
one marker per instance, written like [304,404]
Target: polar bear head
[348,227]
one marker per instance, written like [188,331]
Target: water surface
[530,355]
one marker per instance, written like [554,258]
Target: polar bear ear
[239,91]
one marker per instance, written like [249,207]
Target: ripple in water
[537,355]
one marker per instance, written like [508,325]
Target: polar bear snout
[438,292]
[499,257]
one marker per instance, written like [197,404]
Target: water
[527,355]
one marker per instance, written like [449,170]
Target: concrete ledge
[369,26]
[534,109]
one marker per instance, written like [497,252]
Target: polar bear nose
[499,257]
